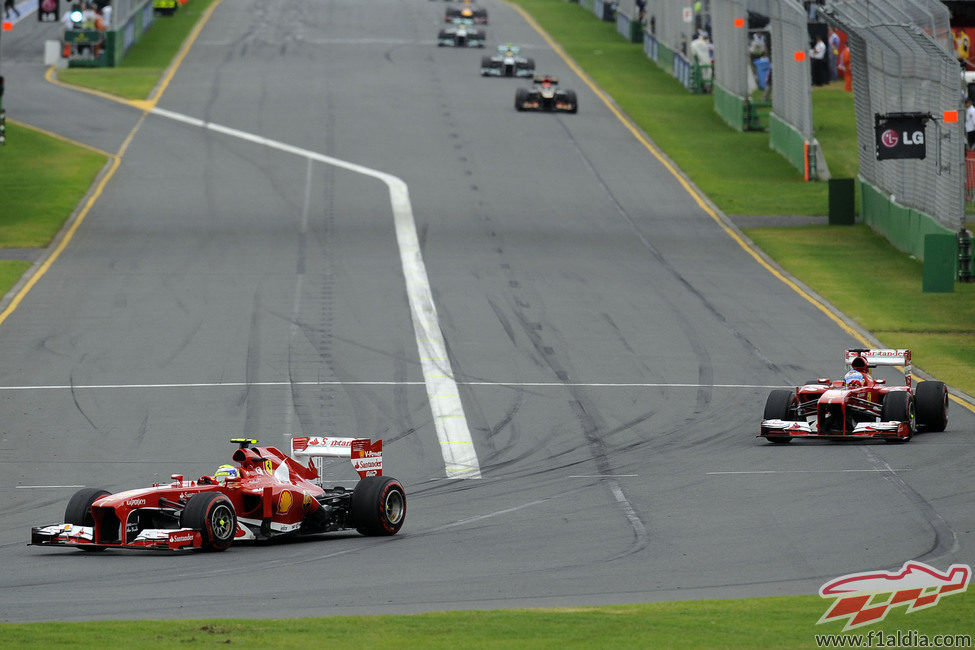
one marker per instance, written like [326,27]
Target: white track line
[460,457]
[273,384]
[812,471]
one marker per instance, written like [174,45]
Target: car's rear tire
[78,511]
[521,96]
[213,515]
[378,506]
[780,405]
[931,403]
[898,406]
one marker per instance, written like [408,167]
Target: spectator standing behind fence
[834,54]
[817,56]
[844,68]
[970,122]
[701,55]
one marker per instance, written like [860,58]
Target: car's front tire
[213,515]
[78,511]
[898,406]
[780,405]
[571,96]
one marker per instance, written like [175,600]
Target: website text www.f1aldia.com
[896,639]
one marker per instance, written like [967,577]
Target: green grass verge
[42,179]
[780,622]
[879,287]
[146,60]
[10,273]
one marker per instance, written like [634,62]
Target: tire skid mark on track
[945,539]
[74,398]
[592,423]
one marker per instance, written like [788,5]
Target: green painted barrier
[940,256]
[730,107]
[903,227]
[790,144]
[636,31]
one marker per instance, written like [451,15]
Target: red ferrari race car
[266,494]
[857,406]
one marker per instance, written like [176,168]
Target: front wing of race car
[535,102]
[472,39]
[498,67]
[803,429]
[82,537]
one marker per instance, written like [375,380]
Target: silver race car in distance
[507,62]
[461,33]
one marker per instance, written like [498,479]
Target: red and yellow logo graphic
[866,598]
[284,502]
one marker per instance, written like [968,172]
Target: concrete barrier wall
[730,107]
[787,141]
[904,227]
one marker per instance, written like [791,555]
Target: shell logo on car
[284,502]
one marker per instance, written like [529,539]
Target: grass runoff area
[146,60]
[739,173]
[778,622]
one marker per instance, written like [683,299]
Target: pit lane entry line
[457,448]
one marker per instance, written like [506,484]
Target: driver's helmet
[853,379]
[225,473]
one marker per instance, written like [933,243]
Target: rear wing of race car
[882,357]
[366,455]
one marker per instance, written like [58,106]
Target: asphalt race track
[612,345]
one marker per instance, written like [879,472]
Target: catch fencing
[669,27]
[736,76]
[124,10]
[902,61]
